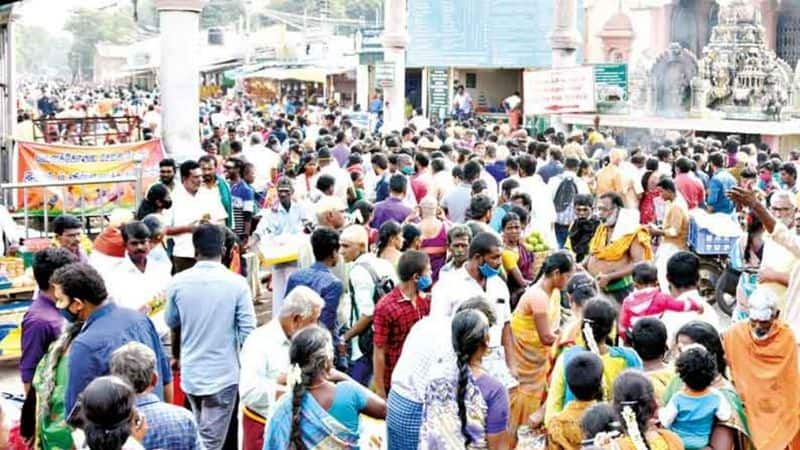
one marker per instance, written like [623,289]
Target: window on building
[472,80]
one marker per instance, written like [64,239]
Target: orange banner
[38,162]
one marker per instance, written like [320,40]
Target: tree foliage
[38,51]
[91,26]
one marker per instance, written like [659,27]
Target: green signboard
[611,87]
[438,92]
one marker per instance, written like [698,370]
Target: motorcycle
[718,282]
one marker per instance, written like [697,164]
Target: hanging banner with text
[556,91]
[40,163]
[438,92]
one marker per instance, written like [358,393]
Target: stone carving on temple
[739,77]
[672,74]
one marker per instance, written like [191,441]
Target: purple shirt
[392,208]
[41,325]
[496,397]
[341,153]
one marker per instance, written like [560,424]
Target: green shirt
[52,432]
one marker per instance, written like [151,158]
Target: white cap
[762,304]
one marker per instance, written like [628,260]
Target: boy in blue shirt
[690,413]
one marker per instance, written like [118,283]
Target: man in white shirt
[265,361]
[565,213]
[419,362]
[139,282]
[462,104]
[543,211]
[365,275]
[479,276]
[419,121]
[188,209]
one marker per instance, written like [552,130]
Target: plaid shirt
[168,426]
[394,316]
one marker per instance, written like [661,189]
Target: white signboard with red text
[556,91]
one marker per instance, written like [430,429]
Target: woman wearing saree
[598,322]
[733,433]
[533,325]
[50,383]
[580,289]
[467,409]
[318,414]
[517,260]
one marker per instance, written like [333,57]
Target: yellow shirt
[564,431]
[661,379]
[612,367]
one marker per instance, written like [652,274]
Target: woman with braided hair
[635,405]
[467,409]
[318,413]
[597,327]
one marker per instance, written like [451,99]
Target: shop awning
[299,74]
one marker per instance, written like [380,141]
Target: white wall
[494,85]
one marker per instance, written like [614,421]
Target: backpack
[565,194]
[383,285]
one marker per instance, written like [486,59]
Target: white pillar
[179,76]
[564,41]
[395,40]
[362,86]
[565,38]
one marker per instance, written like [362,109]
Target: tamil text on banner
[556,91]
[40,163]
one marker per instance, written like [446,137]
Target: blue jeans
[213,414]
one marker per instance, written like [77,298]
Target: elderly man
[788,239]
[777,261]
[762,357]
[265,361]
[617,245]
[458,240]
[370,279]
[168,426]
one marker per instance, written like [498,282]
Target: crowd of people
[462,285]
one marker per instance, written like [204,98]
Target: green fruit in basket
[528,247]
[539,248]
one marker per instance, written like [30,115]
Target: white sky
[51,14]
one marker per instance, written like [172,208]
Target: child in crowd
[635,406]
[647,300]
[585,378]
[649,338]
[599,424]
[690,413]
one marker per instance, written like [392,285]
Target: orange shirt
[609,179]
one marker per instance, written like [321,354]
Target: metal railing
[46,185]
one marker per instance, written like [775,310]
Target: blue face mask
[68,315]
[424,282]
[408,170]
[488,271]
